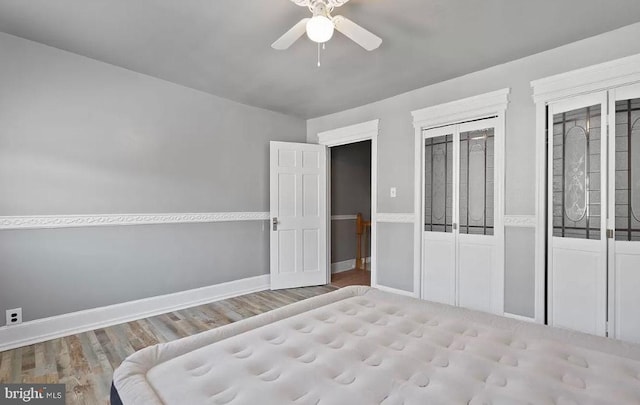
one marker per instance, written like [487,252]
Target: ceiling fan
[320,27]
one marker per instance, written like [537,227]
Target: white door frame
[365,131]
[482,106]
[601,77]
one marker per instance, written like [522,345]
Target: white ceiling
[223,46]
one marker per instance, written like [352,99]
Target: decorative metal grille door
[459,243]
[439,250]
[624,214]
[577,221]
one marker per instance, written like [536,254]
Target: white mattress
[362,346]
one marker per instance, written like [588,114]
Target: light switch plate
[393,192]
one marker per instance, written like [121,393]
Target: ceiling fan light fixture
[320,29]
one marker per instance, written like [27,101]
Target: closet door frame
[617,248]
[597,78]
[493,104]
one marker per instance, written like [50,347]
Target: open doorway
[350,225]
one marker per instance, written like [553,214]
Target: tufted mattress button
[496,380]
[574,381]
[224,397]
[201,371]
[457,346]
[373,360]
[243,353]
[270,375]
[440,361]
[509,360]
[345,378]
[398,346]
[361,332]
[416,334]
[420,379]
[307,357]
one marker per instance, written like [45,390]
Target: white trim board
[395,291]
[604,76]
[520,221]
[461,110]
[364,131]
[345,265]
[351,134]
[519,317]
[75,221]
[41,330]
[398,218]
[344,217]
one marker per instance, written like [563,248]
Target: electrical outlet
[14,316]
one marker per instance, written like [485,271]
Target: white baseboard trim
[346,265]
[343,217]
[55,327]
[519,317]
[395,291]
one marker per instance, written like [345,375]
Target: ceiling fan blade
[356,33]
[291,36]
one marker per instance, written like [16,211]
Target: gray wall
[54,271]
[519,260]
[396,141]
[79,136]
[350,194]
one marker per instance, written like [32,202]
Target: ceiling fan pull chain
[318,54]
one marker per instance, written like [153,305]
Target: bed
[359,345]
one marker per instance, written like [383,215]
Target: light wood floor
[351,277]
[85,362]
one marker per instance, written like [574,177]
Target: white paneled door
[594,225]
[462,233]
[298,205]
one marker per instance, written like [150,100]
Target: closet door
[439,193]
[577,272]
[624,214]
[460,241]
[476,248]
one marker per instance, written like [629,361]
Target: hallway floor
[351,277]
